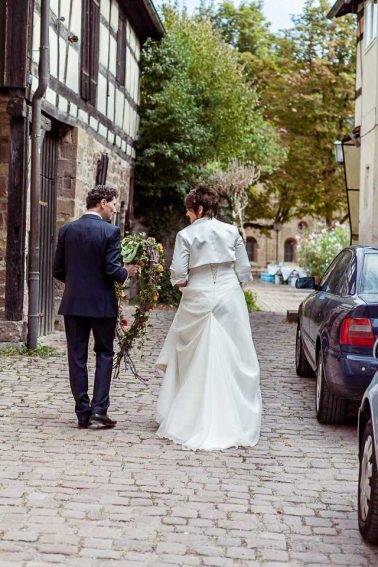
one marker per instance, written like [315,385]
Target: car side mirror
[308,282]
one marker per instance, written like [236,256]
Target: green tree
[197,107]
[305,80]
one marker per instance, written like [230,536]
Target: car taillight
[357,332]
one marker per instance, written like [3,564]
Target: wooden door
[47,231]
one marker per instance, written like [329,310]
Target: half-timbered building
[360,144]
[90,125]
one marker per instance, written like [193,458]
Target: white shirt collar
[93,213]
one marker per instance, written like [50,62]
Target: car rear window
[369,278]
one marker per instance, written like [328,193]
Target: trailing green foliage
[251,300]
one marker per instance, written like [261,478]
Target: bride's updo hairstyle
[205,197]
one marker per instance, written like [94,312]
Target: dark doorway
[290,250]
[47,231]
[251,245]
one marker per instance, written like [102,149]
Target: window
[302,225]
[102,169]
[251,245]
[90,29]
[290,247]
[121,51]
[371,22]
[331,281]
[369,278]
[347,285]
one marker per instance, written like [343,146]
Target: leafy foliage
[197,107]
[305,79]
[169,295]
[251,300]
[316,250]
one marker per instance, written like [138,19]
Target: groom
[87,260]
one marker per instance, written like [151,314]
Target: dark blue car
[368,471]
[338,330]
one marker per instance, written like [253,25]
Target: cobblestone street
[124,497]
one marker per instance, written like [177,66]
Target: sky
[276,11]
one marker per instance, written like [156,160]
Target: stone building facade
[89,128]
[270,246]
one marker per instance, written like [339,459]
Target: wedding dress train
[210,397]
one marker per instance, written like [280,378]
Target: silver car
[368,454]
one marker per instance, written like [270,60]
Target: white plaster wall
[104,46]
[102,86]
[114,15]
[105,8]
[72,80]
[76,17]
[113,56]
[368,226]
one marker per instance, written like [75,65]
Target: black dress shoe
[83,424]
[101,421]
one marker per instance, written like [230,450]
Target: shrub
[168,294]
[316,250]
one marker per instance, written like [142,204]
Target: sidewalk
[277,298]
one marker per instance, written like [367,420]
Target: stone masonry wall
[9,330]
[78,155]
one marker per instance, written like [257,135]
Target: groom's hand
[132,270]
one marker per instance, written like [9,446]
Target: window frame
[360,290]
[329,273]
[371,22]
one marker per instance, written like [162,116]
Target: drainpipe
[35,189]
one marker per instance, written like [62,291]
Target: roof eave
[155,18]
[343,7]
[144,18]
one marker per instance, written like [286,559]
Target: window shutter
[89,50]
[95,40]
[121,51]
[85,44]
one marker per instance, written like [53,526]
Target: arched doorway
[290,250]
[251,245]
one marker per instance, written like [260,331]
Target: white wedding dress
[210,397]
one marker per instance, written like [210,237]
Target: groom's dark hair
[100,192]
[205,197]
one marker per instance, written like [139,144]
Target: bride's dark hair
[205,197]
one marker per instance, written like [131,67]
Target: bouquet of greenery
[149,256]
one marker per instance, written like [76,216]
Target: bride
[210,397]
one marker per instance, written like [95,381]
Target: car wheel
[302,365]
[368,488]
[329,409]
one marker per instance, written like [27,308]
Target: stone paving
[124,497]
[277,298]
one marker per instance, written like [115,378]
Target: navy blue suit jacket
[88,261]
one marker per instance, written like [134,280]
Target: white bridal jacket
[209,241]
